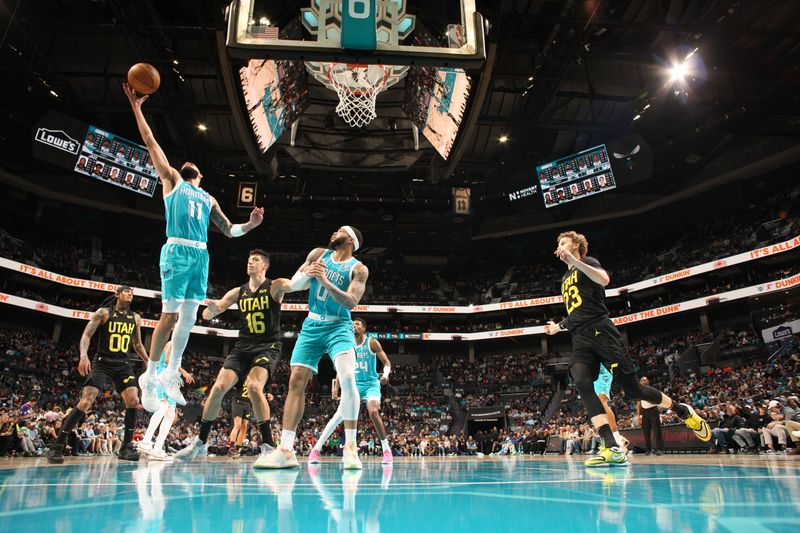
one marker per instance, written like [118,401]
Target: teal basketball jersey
[188,212]
[366,369]
[340,275]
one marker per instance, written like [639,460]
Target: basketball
[144,78]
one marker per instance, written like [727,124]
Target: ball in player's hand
[144,78]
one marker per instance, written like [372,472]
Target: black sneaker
[55,454]
[127,453]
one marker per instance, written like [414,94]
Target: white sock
[287,439]
[385,445]
[350,436]
[150,371]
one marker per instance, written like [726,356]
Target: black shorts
[242,408]
[242,359]
[601,343]
[119,372]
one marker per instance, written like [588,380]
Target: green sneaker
[608,457]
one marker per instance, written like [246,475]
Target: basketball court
[307,78]
[673,493]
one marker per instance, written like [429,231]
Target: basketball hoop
[358,87]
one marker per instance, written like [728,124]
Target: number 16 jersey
[260,314]
[583,298]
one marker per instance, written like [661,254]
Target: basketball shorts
[241,407]
[184,275]
[601,344]
[369,390]
[119,372]
[243,358]
[160,394]
[318,338]
[602,385]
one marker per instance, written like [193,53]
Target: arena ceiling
[560,76]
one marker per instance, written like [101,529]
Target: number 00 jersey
[261,316]
[115,336]
[583,298]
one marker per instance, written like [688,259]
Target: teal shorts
[318,338]
[602,384]
[161,395]
[369,390]
[184,275]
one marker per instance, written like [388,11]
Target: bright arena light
[678,72]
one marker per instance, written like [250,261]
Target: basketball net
[358,87]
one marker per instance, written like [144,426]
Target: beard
[337,242]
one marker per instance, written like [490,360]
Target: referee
[650,420]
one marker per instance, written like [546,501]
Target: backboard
[388,32]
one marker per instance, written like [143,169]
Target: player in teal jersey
[602,387]
[184,258]
[369,390]
[336,281]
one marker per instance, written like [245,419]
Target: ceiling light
[264,21]
[174,61]
[678,72]
[202,127]
[637,117]
[54,93]
[503,138]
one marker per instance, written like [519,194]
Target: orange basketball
[144,78]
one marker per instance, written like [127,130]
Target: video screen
[112,159]
[578,176]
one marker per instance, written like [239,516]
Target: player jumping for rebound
[369,390]
[120,330]
[596,341]
[255,354]
[184,259]
[337,281]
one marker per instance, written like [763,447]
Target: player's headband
[349,230]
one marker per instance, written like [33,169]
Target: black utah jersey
[260,314]
[115,336]
[583,298]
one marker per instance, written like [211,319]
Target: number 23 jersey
[583,298]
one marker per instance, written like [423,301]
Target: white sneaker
[195,449]
[277,458]
[159,455]
[350,458]
[171,383]
[144,447]
[149,386]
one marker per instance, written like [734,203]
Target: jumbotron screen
[577,176]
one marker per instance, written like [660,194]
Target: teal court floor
[669,493]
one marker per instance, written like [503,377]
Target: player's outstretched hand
[256,216]
[551,328]
[213,307]
[136,101]
[188,378]
[384,380]
[84,366]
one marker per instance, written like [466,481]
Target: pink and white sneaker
[387,458]
[313,457]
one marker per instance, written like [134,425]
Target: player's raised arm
[169,176]
[376,347]
[217,307]
[354,292]
[234,230]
